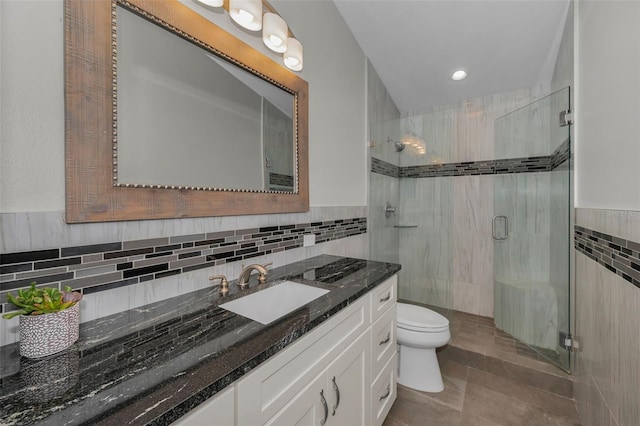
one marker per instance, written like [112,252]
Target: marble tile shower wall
[607,246]
[123,265]
[383,236]
[427,250]
[383,186]
[448,260]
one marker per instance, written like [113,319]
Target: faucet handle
[224,284]
[262,277]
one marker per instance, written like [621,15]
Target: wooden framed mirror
[96,188]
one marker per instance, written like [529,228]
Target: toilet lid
[417,318]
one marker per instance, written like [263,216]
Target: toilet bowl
[420,331]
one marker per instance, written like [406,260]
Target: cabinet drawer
[267,389]
[384,391]
[383,297]
[383,340]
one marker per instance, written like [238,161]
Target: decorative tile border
[620,256]
[384,168]
[489,167]
[100,267]
[545,163]
[281,180]
[561,154]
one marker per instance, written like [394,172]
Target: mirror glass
[187,118]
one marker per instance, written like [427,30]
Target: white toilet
[420,332]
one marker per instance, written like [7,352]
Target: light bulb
[291,62]
[275,40]
[244,18]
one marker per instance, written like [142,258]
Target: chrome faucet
[243,279]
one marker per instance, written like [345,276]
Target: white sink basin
[271,303]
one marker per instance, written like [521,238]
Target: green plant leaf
[10,315]
[37,301]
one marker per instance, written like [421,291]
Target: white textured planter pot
[43,335]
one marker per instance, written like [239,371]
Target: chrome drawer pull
[386,395]
[337,390]
[326,408]
[387,297]
[386,340]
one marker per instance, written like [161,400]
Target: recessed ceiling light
[459,74]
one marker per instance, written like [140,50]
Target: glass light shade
[247,13]
[212,3]
[274,32]
[293,55]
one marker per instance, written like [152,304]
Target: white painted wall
[335,68]
[608,104]
[32,115]
[32,102]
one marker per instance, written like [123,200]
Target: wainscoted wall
[607,369]
[124,265]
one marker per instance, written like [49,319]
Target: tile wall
[124,265]
[383,185]
[607,366]
[448,260]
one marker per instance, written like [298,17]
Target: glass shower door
[531,226]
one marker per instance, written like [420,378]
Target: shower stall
[474,201]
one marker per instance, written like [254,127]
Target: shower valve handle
[389,210]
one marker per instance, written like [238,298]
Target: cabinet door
[308,408]
[266,390]
[383,391]
[348,379]
[383,341]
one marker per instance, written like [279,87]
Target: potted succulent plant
[49,319]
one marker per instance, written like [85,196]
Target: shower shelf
[405,226]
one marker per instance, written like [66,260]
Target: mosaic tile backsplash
[99,267]
[543,163]
[620,256]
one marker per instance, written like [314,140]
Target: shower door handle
[494,228]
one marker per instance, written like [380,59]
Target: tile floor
[490,379]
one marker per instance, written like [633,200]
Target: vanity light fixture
[293,55]
[459,74]
[246,13]
[275,32]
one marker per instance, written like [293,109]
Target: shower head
[399,145]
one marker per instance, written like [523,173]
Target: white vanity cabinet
[384,358]
[338,374]
[269,390]
[337,396]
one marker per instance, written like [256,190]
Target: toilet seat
[423,320]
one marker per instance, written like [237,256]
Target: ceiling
[415,45]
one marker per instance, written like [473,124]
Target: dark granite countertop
[152,364]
